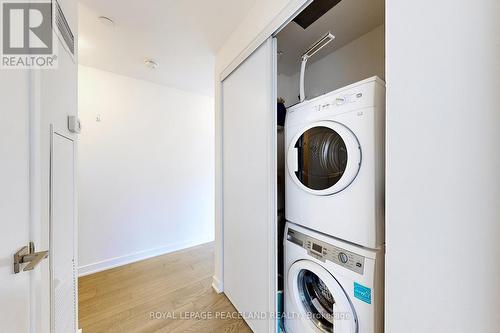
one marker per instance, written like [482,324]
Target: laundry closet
[314,95]
[330,71]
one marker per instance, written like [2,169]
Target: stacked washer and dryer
[334,206]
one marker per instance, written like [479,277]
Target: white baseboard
[217,285]
[141,255]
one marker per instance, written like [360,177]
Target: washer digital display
[317,248]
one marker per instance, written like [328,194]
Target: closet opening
[331,45]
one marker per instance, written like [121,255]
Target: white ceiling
[181,35]
[347,21]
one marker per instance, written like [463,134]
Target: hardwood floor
[169,293]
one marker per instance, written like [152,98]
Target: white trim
[219,222]
[217,285]
[75,231]
[141,255]
[39,282]
[273,189]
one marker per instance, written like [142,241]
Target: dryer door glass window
[322,158]
[317,300]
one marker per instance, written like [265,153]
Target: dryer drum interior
[317,300]
[322,158]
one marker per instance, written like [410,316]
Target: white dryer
[331,285]
[335,163]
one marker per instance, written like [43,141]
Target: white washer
[335,163]
[331,285]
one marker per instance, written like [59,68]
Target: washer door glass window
[320,299]
[317,299]
[324,158]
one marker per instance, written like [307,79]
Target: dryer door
[324,158]
[321,301]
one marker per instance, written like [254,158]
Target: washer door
[324,158]
[320,300]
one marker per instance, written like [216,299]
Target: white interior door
[249,182]
[15,310]
[32,102]
[25,296]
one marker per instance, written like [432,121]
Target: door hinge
[27,255]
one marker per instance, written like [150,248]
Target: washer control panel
[324,251]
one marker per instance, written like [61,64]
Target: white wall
[146,170]
[362,58]
[443,162]
[288,89]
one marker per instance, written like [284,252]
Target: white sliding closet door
[249,178]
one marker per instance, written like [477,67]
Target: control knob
[343,257]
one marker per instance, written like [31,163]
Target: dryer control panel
[324,251]
[366,94]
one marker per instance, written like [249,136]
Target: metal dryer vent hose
[318,45]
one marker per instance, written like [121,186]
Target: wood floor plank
[170,293]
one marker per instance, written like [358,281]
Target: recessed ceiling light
[106,21]
[150,63]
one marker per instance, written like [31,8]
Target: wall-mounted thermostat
[74,124]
